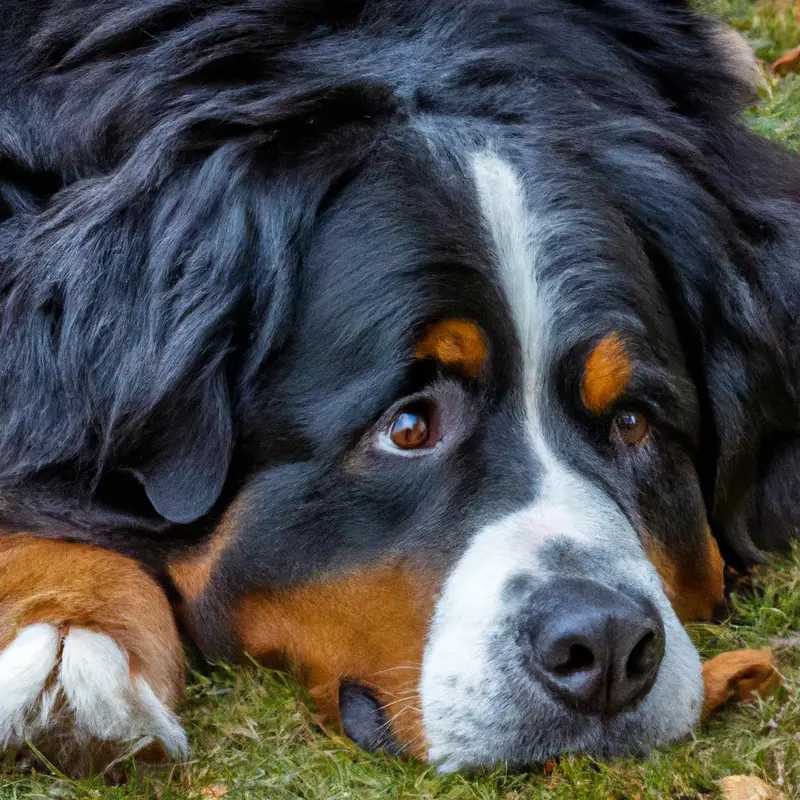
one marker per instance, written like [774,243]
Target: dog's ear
[185,470]
[137,299]
[745,292]
[139,307]
[741,350]
[197,248]
[751,455]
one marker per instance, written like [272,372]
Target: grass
[772,27]
[253,735]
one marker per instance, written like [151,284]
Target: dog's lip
[364,720]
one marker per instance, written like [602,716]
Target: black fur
[171,171]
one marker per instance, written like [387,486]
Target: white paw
[78,690]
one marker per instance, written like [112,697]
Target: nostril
[633,676]
[571,662]
[579,659]
[643,658]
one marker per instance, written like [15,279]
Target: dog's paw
[72,694]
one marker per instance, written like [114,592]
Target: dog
[444,352]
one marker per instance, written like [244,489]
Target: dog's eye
[630,427]
[418,425]
[410,429]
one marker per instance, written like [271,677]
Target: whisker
[397,715]
[411,742]
[402,692]
[395,702]
[399,667]
[385,727]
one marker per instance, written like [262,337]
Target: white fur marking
[515,236]
[93,693]
[24,668]
[164,724]
[95,677]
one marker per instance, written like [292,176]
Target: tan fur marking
[369,626]
[68,584]
[192,571]
[696,589]
[455,343]
[606,375]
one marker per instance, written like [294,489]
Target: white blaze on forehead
[515,236]
[518,229]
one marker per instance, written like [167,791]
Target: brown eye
[409,430]
[631,427]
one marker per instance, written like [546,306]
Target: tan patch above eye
[455,343]
[605,378]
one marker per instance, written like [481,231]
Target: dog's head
[437,333]
[476,453]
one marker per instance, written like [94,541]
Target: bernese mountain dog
[445,351]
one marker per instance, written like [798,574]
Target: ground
[253,736]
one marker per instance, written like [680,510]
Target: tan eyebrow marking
[456,343]
[606,375]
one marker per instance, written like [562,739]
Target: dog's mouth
[364,719]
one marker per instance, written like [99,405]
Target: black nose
[596,648]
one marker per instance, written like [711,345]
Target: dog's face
[475,493]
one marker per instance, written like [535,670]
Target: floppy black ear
[130,300]
[752,475]
[142,308]
[750,334]
[739,319]
[142,293]
[184,474]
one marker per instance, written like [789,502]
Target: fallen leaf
[747,787]
[214,791]
[739,675]
[788,62]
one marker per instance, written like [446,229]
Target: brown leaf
[747,787]
[739,675]
[215,791]
[788,62]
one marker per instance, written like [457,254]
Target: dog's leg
[90,659]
